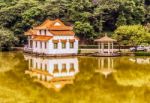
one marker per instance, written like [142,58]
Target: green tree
[84,30]
[7,39]
[132,35]
[121,20]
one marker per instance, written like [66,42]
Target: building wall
[50,46]
[43,33]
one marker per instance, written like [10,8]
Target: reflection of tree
[132,74]
[93,88]
[89,87]
[8,61]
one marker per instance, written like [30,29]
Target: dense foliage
[90,17]
[132,35]
[7,39]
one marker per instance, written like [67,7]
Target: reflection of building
[105,66]
[53,73]
[140,60]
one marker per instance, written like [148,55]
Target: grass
[142,53]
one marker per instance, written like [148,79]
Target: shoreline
[84,52]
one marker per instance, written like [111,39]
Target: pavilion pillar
[102,47]
[112,63]
[28,42]
[102,63]
[112,48]
[108,47]
[109,63]
[99,44]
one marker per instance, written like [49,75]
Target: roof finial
[106,35]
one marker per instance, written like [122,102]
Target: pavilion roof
[105,39]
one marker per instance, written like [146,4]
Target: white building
[52,38]
[53,73]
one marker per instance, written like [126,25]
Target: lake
[29,79]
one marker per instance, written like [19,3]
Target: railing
[27,48]
[106,46]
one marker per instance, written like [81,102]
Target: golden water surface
[29,79]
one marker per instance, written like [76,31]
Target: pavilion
[105,66]
[106,45]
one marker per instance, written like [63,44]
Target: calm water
[27,79]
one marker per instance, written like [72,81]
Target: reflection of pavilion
[140,60]
[53,73]
[105,66]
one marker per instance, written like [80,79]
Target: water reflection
[105,66]
[52,73]
[140,60]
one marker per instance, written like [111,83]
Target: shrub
[142,53]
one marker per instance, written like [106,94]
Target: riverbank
[88,52]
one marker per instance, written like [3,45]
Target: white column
[108,48]
[99,47]
[102,46]
[112,63]
[102,63]
[109,63]
[112,47]
[28,42]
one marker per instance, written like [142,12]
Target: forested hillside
[89,17]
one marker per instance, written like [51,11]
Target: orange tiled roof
[63,33]
[63,78]
[42,38]
[76,38]
[60,28]
[37,71]
[72,40]
[48,24]
[31,32]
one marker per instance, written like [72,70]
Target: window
[45,45]
[72,69]
[31,63]
[63,66]
[40,31]
[64,69]
[46,67]
[41,44]
[55,66]
[72,66]
[45,32]
[63,45]
[56,70]
[71,45]
[55,45]
[31,43]
[36,66]
[41,66]
[36,44]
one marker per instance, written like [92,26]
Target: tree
[121,20]
[132,35]
[103,15]
[84,30]
[7,39]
